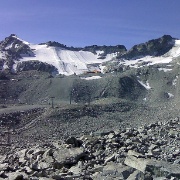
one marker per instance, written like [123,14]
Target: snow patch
[175,51]
[99,52]
[8,46]
[91,78]
[151,60]
[170,95]
[147,61]
[147,86]
[5,66]
[1,55]
[25,42]
[102,68]
[164,69]
[174,82]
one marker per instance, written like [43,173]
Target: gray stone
[17,176]
[153,166]
[117,170]
[28,170]
[22,153]
[64,156]
[136,175]
[133,153]
[75,170]
[110,158]
[2,158]
[4,166]
[137,163]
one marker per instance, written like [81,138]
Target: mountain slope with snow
[151,60]
[66,61]
[14,51]
[15,54]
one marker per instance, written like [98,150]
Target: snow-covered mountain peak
[14,45]
[16,37]
[18,55]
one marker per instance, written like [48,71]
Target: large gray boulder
[156,168]
[64,156]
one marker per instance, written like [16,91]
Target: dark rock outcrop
[155,47]
[13,49]
[36,65]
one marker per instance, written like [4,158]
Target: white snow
[102,68]
[174,82]
[5,66]
[16,45]
[175,51]
[67,62]
[1,55]
[91,77]
[9,46]
[25,42]
[170,95]
[99,52]
[147,86]
[164,69]
[151,60]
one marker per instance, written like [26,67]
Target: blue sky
[86,22]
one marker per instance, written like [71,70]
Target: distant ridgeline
[155,47]
[56,58]
[120,49]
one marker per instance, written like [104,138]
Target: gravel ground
[62,122]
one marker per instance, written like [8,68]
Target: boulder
[4,166]
[137,163]
[17,176]
[136,175]
[157,168]
[116,170]
[65,156]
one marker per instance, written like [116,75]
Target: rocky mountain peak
[13,49]
[154,47]
[11,42]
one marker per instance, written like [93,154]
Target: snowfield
[164,69]
[150,60]
[91,77]
[67,62]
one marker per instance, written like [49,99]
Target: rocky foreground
[148,152]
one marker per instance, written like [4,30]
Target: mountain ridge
[69,60]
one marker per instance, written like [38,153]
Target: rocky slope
[147,152]
[120,125]
[155,47]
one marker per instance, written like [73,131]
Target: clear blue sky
[86,22]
